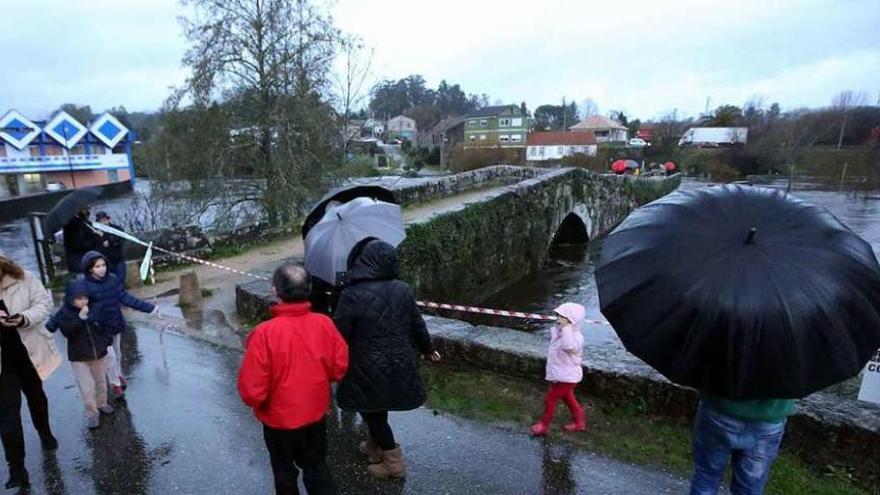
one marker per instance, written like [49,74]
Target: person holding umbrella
[784,302]
[28,356]
[79,239]
[378,317]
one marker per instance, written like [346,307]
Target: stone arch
[572,230]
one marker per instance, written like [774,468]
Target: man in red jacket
[288,366]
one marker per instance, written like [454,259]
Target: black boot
[49,441]
[18,477]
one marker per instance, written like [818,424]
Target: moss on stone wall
[468,255]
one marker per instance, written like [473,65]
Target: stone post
[190,292]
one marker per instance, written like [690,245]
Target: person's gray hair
[291,283]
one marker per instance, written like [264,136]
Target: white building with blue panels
[58,153]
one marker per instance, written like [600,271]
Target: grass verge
[623,431]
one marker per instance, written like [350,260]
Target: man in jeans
[748,431]
[288,366]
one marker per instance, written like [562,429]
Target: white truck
[713,137]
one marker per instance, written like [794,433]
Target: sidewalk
[186,431]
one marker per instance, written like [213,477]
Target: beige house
[606,130]
[402,127]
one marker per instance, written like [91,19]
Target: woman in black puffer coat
[378,317]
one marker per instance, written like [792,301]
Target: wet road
[184,430]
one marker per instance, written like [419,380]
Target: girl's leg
[112,360]
[554,394]
[87,384]
[98,371]
[117,346]
[578,415]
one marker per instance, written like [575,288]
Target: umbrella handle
[751,237]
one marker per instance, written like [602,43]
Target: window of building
[482,137]
[504,138]
[2,150]
[541,150]
[113,176]
[516,138]
[571,150]
[600,133]
[504,123]
[533,151]
[484,123]
[33,183]
[516,122]
[472,123]
[560,150]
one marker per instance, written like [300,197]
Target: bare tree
[800,130]
[269,61]
[350,85]
[842,103]
[588,108]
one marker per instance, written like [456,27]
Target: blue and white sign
[65,129]
[17,130]
[109,130]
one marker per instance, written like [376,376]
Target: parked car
[55,186]
[638,143]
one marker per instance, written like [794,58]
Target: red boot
[579,423]
[540,428]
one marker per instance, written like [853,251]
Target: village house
[552,146]
[503,126]
[606,130]
[402,127]
[60,152]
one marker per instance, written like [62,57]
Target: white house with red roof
[553,146]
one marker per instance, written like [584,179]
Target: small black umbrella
[344,195]
[742,292]
[68,207]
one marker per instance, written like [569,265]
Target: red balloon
[669,166]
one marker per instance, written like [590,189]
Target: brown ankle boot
[369,448]
[392,465]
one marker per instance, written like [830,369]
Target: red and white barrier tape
[424,304]
[211,264]
[498,312]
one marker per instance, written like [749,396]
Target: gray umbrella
[330,241]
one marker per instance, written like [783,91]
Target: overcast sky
[645,58]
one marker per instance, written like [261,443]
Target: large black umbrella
[344,195]
[742,292]
[68,207]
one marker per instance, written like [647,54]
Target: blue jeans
[752,445]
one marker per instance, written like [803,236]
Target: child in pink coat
[564,369]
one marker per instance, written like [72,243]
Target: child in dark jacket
[107,295]
[87,344]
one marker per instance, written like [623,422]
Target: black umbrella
[344,195]
[742,292]
[68,207]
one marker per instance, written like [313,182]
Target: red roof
[560,138]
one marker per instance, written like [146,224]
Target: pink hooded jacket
[566,346]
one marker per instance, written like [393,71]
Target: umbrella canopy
[618,166]
[669,166]
[632,164]
[330,241]
[68,207]
[742,292]
[344,195]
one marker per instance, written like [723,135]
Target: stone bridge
[469,252]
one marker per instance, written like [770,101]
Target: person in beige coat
[28,355]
